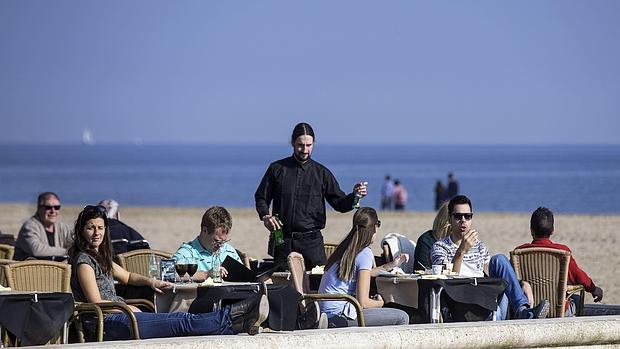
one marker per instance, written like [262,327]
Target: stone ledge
[567,332]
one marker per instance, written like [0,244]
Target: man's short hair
[541,222]
[216,217]
[459,200]
[46,195]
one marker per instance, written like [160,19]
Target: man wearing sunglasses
[213,238]
[470,257]
[44,236]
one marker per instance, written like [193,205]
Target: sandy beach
[593,238]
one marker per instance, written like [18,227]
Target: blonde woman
[348,271]
[441,228]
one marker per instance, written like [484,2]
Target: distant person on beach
[441,228]
[44,235]
[120,231]
[541,228]
[453,187]
[387,193]
[348,271]
[400,196]
[440,193]
[470,257]
[214,237]
[298,187]
[92,280]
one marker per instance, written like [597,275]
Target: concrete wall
[570,332]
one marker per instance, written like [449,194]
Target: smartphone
[168,273]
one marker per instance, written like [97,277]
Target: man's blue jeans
[160,325]
[500,267]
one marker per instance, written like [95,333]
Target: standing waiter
[299,187]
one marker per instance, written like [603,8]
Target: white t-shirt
[474,260]
[330,283]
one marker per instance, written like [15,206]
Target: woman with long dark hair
[348,271]
[92,274]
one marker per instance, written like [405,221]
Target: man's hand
[223,271]
[402,258]
[271,222]
[597,294]
[469,240]
[361,188]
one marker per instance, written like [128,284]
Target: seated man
[470,257]
[541,228]
[213,237]
[119,230]
[44,235]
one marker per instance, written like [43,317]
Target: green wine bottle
[277,234]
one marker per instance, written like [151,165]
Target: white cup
[449,267]
[437,269]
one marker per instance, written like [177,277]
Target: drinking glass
[181,267]
[192,268]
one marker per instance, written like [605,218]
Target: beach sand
[592,238]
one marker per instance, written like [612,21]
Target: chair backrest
[300,279]
[6,251]
[38,275]
[137,261]
[2,274]
[330,247]
[245,259]
[546,269]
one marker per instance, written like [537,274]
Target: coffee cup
[437,269]
[449,267]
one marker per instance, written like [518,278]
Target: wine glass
[181,267]
[192,268]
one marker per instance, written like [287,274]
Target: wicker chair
[2,274]
[48,276]
[301,282]
[137,261]
[546,269]
[6,251]
[330,247]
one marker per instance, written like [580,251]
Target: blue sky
[424,72]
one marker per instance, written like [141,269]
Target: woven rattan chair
[329,247]
[6,251]
[301,282]
[138,261]
[3,281]
[546,269]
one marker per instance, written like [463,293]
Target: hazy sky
[359,71]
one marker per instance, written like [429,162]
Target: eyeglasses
[378,224]
[466,216]
[50,207]
[220,243]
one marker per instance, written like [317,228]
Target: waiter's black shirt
[299,192]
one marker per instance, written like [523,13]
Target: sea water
[568,178]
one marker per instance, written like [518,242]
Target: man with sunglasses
[470,257]
[213,238]
[44,236]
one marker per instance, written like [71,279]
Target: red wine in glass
[192,268]
[181,270]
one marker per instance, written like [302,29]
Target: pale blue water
[570,179]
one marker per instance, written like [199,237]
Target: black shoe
[247,315]
[540,311]
[311,317]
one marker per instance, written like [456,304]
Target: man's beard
[300,160]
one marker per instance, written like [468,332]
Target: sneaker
[540,311]
[323,322]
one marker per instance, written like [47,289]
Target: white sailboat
[87,137]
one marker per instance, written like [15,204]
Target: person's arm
[125,277]
[363,291]
[88,283]
[337,199]
[35,242]
[264,194]
[402,258]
